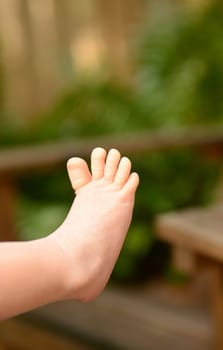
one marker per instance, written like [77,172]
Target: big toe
[78,172]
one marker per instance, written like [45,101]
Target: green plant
[90,109]
[180,75]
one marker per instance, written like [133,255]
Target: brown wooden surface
[200,230]
[7,209]
[15,334]
[155,317]
[183,259]
[218,306]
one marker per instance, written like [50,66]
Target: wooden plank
[22,159]
[217,303]
[199,230]
[183,260]
[65,30]
[14,60]
[31,75]
[7,209]
[113,29]
[20,335]
[134,319]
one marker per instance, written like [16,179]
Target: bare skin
[96,226]
[75,261]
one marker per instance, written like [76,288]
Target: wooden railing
[16,162]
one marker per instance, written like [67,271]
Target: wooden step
[17,334]
[135,320]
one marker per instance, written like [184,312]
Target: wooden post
[65,29]
[117,21]
[110,16]
[183,259]
[218,307]
[7,206]
[30,71]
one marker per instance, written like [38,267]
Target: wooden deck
[196,237]
[156,318]
[17,334]
[197,229]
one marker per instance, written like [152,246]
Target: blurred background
[74,71]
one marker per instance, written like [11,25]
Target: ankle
[74,279]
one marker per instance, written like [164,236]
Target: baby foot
[93,233]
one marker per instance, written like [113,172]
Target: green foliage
[38,219]
[138,242]
[181,68]
[90,109]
